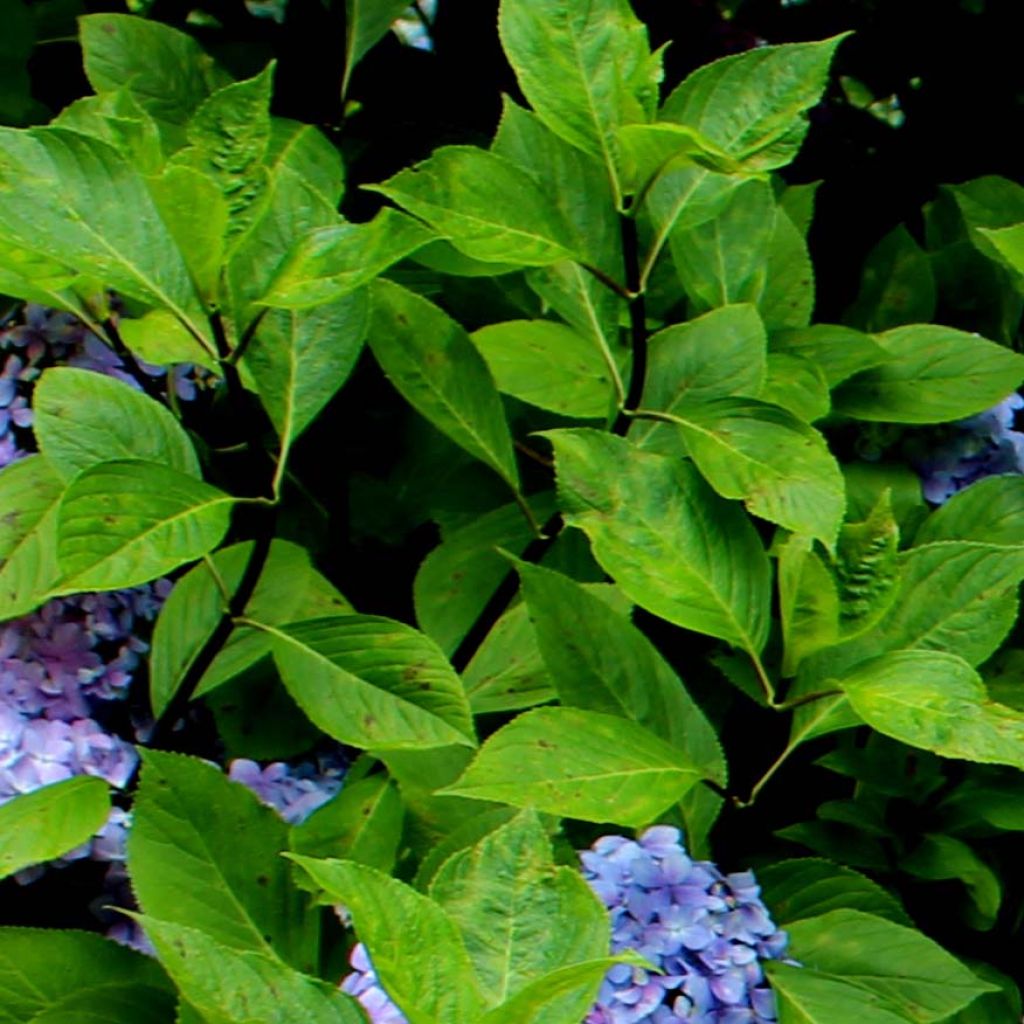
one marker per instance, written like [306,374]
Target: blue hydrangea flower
[707,932]
[294,792]
[983,445]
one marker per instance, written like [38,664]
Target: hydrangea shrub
[359,568]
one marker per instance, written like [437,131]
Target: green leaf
[942,858]
[165,70]
[988,202]
[366,22]
[1008,243]
[648,150]
[118,119]
[486,206]
[867,567]
[897,286]
[90,965]
[504,893]
[111,1004]
[779,466]
[808,887]
[935,701]
[933,374]
[457,578]
[561,997]
[669,542]
[990,511]
[304,150]
[127,522]
[858,967]
[839,352]
[159,337]
[754,105]
[203,851]
[328,262]
[579,764]
[798,385]
[433,364]
[788,296]
[548,365]
[227,985]
[507,672]
[83,418]
[38,826]
[585,70]
[228,137]
[300,358]
[725,260]
[416,948]
[78,200]
[719,354]
[30,493]
[195,605]
[808,601]
[600,661]
[362,823]
[373,683]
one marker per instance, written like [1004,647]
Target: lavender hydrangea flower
[294,792]
[983,445]
[708,933]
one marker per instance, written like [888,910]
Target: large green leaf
[228,985]
[204,852]
[362,823]
[716,355]
[754,104]
[117,118]
[599,661]
[366,21]
[486,206]
[585,69]
[776,464]
[798,385]
[858,967]
[943,858]
[304,150]
[299,359]
[1008,242]
[933,374]
[416,948]
[127,522]
[90,967]
[167,71]
[78,200]
[111,1004]
[672,545]
[83,418]
[43,824]
[788,296]
[580,764]
[839,352]
[433,364]
[935,700]
[504,893]
[373,683]
[30,494]
[549,365]
[808,601]
[725,260]
[326,263]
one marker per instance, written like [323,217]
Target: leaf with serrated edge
[580,764]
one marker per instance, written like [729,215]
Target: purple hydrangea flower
[294,792]
[981,446]
[708,933]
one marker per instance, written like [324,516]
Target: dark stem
[247,336]
[502,597]
[637,323]
[228,368]
[178,706]
[131,363]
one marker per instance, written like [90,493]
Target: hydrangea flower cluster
[294,792]
[983,445]
[707,932]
